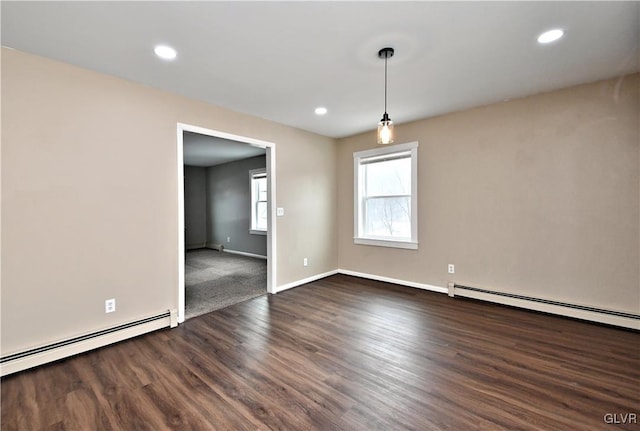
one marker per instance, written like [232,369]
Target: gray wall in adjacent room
[229,206]
[195,206]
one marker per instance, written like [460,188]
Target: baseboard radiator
[213,246]
[26,359]
[611,317]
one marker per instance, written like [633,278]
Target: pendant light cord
[385,53]
[385,84]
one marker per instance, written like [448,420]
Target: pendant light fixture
[385,126]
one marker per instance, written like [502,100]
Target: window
[386,190]
[258,201]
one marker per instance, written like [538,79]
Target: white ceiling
[205,151]
[280,60]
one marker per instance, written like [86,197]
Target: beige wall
[536,196]
[89,198]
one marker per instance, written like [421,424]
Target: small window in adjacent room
[385,192]
[258,201]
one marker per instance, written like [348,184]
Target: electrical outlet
[451,268]
[279,212]
[110,305]
[305,262]
[228,239]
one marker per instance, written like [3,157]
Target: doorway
[269,151]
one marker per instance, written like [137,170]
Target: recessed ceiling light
[165,52]
[321,110]
[550,36]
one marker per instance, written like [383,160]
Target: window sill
[257,232]
[386,243]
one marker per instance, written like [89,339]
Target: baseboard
[394,281]
[244,253]
[305,281]
[30,358]
[609,317]
[195,246]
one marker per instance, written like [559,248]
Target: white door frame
[270,149]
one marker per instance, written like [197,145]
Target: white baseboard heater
[52,352]
[611,317]
[213,246]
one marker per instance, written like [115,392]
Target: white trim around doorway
[270,149]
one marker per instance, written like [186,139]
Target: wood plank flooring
[343,353]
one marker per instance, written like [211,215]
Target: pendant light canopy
[385,126]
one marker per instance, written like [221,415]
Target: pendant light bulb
[385,130]
[385,126]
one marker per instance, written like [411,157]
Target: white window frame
[253,174]
[359,208]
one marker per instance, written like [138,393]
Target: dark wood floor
[343,354]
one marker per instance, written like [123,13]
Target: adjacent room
[225,208]
[320,215]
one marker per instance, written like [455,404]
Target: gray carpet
[215,280]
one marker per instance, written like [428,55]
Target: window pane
[261,216]
[388,217]
[391,177]
[262,184]
[259,201]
